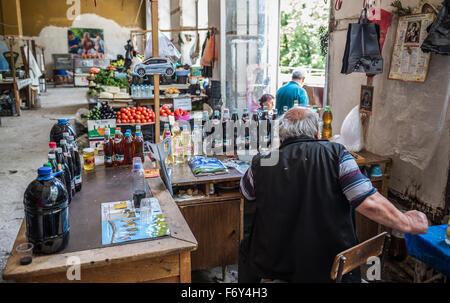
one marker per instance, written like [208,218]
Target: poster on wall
[366,99]
[86,43]
[408,62]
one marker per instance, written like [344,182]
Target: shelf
[224,196]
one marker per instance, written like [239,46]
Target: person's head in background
[267,100]
[299,76]
[70,35]
[299,122]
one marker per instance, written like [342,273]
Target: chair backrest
[355,256]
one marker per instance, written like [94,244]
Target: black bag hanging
[438,39]
[362,49]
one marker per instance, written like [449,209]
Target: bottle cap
[52,145]
[47,165]
[44,171]
[63,121]
[88,150]
[117,128]
[127,134]
[195,126]
[107,131]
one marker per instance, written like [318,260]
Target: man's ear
[317,136]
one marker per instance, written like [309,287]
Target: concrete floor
[23,149]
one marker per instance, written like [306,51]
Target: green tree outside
[304,34]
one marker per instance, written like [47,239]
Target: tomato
[172,114]
[164,115]
[119,121]
[138,121]
[144,121]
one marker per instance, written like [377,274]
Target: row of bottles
[47,198]
[122,148]
[141,91]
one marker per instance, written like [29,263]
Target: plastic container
[63,125]
[47,213]
[88,159]
[138,182]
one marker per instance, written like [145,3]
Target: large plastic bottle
[138,182]
[197,140]
[47,213]
[63,125]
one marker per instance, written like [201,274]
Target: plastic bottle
[118,148]
[327,117]
[168,134]
[295,103]
[56,133]
[142,92]
[68,157]
[197,139]
[218,137]
[133,92]
[77,162]
[54,166]
[235,119]
[186,142]
[244,120]
[108,149]
[138,148]
[254,130]
[46,213]
[127,149]
[138,182]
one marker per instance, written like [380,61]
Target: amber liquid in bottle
[118,149]
[108,149]
[128,150]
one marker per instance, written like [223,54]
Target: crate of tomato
[138,114]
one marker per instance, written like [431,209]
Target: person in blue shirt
[292,91]
[74,43]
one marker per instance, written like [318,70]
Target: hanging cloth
[362,49]
[438,39]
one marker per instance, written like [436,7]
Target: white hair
[308,125]
[299,74]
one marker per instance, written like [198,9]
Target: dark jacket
[302,217]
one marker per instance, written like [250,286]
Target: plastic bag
[166,48]
[351,132]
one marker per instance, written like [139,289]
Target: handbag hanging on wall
[362,49]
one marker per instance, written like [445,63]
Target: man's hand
[379,209]
[417,221]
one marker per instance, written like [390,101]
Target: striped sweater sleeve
[355,186]
[247,185]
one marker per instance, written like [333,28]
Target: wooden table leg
[17,97]
[185,267]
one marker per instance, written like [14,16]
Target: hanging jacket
[438,39]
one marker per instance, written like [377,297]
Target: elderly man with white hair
[305,206]
[292,91]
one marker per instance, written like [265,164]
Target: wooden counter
[217,220]
[161,260]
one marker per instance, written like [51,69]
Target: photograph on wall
[408,61]
[86,43]
[366,99]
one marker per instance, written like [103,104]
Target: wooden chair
[355,256]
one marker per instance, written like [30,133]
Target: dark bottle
[46,213]
[54,166]
[77,162]
[68,156]
[64,166]
[63,125]
[264,135]
[52,148]
[225,123]
[245,119]
[274,114]
[235,119]
[108,149]
[254,129]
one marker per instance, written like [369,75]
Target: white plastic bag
[351,131]
[166,48]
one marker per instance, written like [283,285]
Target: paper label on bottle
[72,184]
[117,140]
[108,159]
[67,154]
[78,179]
[171,120]
[119,157]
